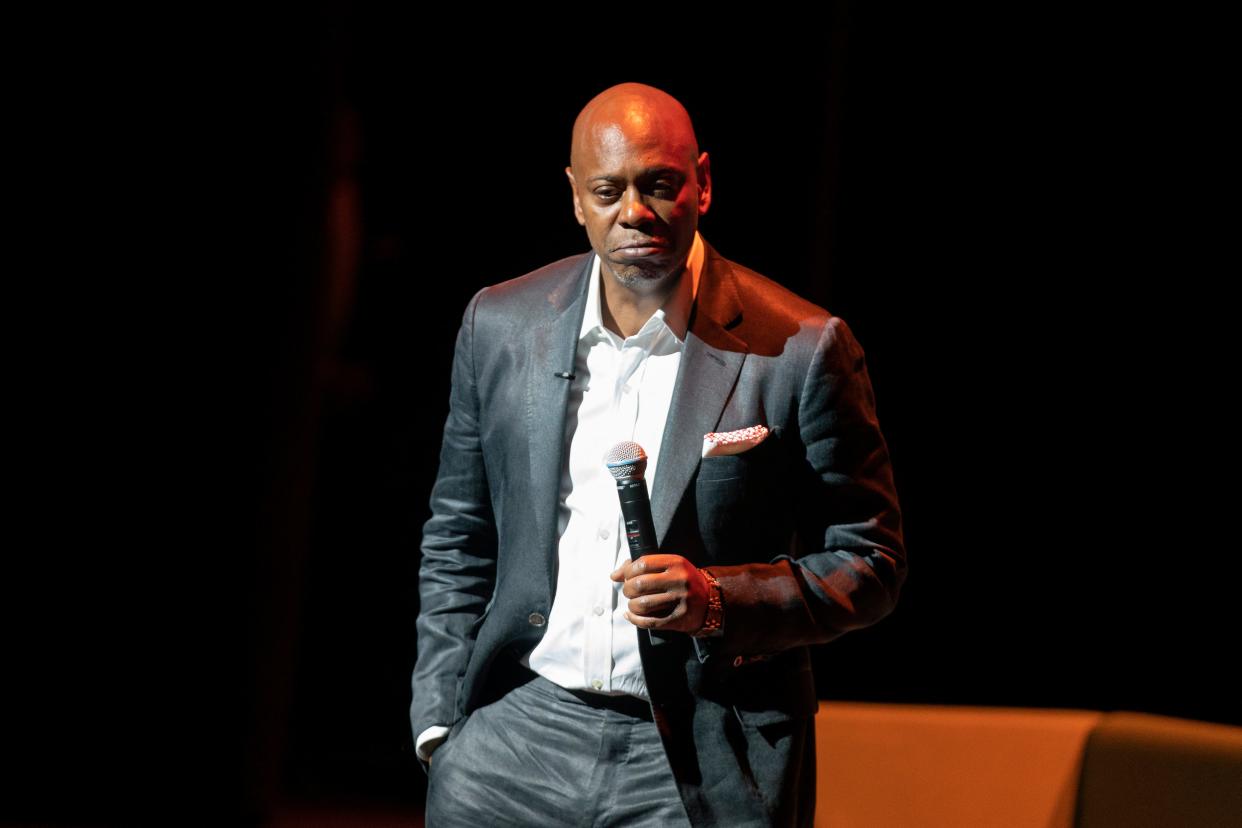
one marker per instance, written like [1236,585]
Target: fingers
[659,620]
[676,583]
[659,590]
[647,563]
[653,576]
[660,604]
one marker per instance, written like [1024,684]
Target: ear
[573,185]
[705,183]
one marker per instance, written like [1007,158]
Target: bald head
[639,185]
[632,109]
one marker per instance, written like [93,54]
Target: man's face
[639,191]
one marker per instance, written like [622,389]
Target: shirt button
[597,684]
[536,619]
[604,533]
[598,610]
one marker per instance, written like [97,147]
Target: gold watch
[714,620]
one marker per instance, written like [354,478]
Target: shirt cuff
[429,740]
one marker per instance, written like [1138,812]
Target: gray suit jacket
[803,531]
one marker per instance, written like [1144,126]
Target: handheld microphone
[627,462]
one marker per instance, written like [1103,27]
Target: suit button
[737,662]
[536,619]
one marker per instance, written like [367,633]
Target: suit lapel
[553,345]
[708,371]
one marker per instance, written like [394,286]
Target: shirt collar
[675,315]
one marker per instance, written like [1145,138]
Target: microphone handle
[636,511]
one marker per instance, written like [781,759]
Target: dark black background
[1014,215]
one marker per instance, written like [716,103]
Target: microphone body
[636,511]
[627,463]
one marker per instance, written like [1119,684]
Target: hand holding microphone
[666,592]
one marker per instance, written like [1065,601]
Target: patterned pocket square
[720,444]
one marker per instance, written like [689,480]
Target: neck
[625,310]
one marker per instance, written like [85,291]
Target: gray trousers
[545,756]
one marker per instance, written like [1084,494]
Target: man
[559,682]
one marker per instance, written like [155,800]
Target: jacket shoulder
[774,318]
[765,296]
[545,288]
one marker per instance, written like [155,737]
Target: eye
[606,194]
[665,189]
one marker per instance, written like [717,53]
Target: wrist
[713,619]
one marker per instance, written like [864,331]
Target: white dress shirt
[621,390]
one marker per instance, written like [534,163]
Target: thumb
[616,573]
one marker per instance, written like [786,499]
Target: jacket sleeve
[850,559]
[457,574]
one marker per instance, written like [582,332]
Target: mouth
[635,250]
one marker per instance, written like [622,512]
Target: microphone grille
[626,461]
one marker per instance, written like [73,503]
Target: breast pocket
[719,469]
[732,494]
[722,507]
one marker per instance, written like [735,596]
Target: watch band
[713,621]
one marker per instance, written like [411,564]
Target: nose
[634,211]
